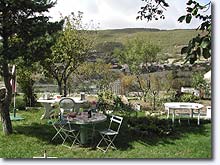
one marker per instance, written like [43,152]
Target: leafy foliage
[198,81]
[98,73]
[107,101]
[20,23]
[201,44]
[20,104]
[148,126]
[198,46]
[153,9]
[70,50]
[137,54]
[26,82]
[188,97]
[19,20]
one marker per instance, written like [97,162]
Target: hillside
[171,41]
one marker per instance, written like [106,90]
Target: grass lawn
[32,136]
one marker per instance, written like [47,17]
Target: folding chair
[63,127]
[70,132]
[57,123]
[109,135]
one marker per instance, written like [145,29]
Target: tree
[198,46]
[20,23]
[26,80]
[97,72]
[136,54]
[201,44]
[199,83]
[128,84]
[71,49]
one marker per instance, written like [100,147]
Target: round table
[83,120]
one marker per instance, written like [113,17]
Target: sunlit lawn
[32,136]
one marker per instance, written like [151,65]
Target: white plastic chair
[108,135]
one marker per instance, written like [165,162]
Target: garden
[66,87]
[157,139]
[145,133]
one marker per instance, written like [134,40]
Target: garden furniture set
[72,124]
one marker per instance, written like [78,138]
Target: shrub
[108,101]
[149,125]
[187,97]
[19,104]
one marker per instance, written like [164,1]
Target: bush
[109,102]
[149,126]
[19,104]
[181,97]
[186,97]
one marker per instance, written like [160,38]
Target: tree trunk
[7,92]
[144,91]
[65,87]
[5,101]
[60,87]
[5,118]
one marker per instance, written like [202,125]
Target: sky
[117,14]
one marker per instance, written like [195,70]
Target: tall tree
[136,54]
[199,45]
[70,50]
[26,79]
[20,22]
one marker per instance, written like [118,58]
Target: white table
[47,105]
[183,106]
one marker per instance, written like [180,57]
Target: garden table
[48,102]
[183,106]
[83,121]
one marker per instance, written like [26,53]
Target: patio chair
[57,123]
[57,118]
[70,131]
[108,135]
[63,127]
[66,106]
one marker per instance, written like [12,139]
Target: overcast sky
[115,14]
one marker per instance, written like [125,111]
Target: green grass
[170,41]
[32,136]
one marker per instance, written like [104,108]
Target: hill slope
[171,41]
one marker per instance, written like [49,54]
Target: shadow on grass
[139,130]
[44,132]
[161,131]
